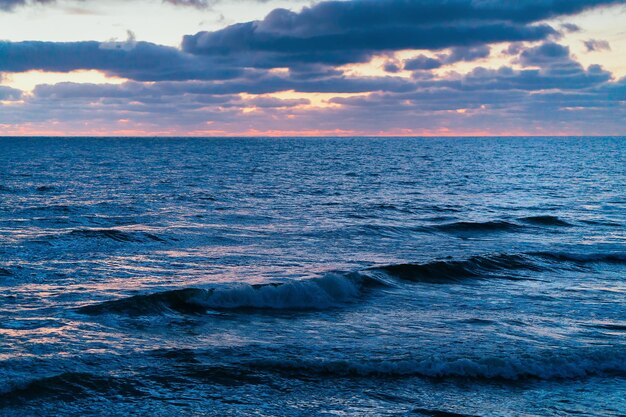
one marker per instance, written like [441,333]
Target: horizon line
[300,136]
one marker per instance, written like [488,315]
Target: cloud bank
[290,72]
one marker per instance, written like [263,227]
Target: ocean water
[313,277]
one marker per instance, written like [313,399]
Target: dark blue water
[313,277]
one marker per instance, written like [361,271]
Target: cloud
[339,32]
[546,53]
[343,32]
[141,61]
[9,94]
[9,5]
[570,27]
[225,79]
[391,67]
[467,54]
[594,45]
[310,42]
[421,62]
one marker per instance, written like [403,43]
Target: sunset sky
[354,67]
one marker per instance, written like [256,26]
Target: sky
[312,68]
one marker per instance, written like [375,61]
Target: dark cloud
[467,54]
[340,32]
[9,94]
[208,82]
[457,54]
[312,42]
[6,5]
[272,102]
[201,4]
[421,62]
[505,100]
[142,61]
[570,27]
[391,67]
[547,53]
[593,45]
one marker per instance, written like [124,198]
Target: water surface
[327,277]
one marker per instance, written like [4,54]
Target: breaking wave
[321,293]
[337,289]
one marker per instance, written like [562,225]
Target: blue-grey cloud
[310,43]
[339,32]
[142,61]
[9,94]
[204,80]
[467,54]
[546,53]
[422,62]
[593,45]
[9,5]
[6,5]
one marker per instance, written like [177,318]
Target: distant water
[313,277]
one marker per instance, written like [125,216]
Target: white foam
[319,293]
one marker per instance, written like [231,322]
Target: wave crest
[547,366]
[116,235]
[478,227]
[545,221]
[456,270]
[337,289]
[329,291]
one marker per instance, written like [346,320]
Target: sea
[313,276]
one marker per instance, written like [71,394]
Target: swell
[583,259]
[339,289]
[68,386]
[478,227]
[545,221]
[546,366]
[329,291]
[494,226]
[446,271]
[116,235]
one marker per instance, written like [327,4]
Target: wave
[116,235]
[5,272]
[547,366]
[339,289]
[329,291]
[67,386]
[451,271]
[591,258]
[609,223]
[620,327]
[60,208]
[545,221]
[46,188]
[478,227]
[437,413]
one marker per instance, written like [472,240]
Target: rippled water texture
[313,277]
